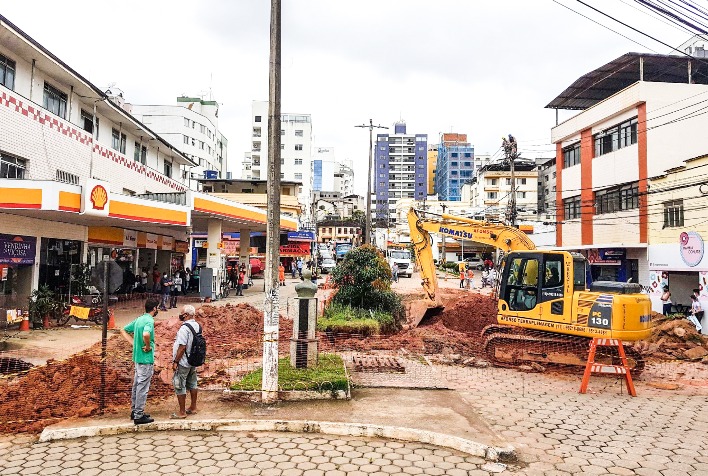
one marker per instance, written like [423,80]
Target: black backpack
[197,354]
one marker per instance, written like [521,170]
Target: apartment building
[639,123]
[491,189]
[455,165]
[295,148]
[399,170]
[432,165]
[546,189]
[191,126]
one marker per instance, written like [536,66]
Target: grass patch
[340,318]
[327,376]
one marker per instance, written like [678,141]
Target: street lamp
[370,126]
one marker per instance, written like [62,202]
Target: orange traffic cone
[45,322]
[111,320]
[24,325]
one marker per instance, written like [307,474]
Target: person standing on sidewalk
[177,289]
[185,377]
[166,285]
[281,274]
[241,279]
[143,342]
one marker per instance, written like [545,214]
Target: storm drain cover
[377,363]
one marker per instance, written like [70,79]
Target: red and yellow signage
[214,207]
[295,249]
[147,213]
[20,197]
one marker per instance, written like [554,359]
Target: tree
[363,279]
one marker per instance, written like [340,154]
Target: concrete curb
[470,447]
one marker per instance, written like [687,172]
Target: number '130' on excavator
[546,313]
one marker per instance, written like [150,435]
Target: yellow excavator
[545,313]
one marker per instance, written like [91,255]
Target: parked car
[327,265]
[325,254]
[474,263]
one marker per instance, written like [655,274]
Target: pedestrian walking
[140,333]
[155,279]
[166,284]
[187,280]
[281,274]
[144,280]
[696,313]
[394,272]
[241,279]
[185,375]
[666,300]
[293,268]
[176,289]
[299,267]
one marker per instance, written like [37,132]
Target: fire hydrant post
[303,344]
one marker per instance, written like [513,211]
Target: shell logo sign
[95,198]
[99,197]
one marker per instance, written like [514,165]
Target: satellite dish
[115,276]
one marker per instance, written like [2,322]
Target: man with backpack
[188,353]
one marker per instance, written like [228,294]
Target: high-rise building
[192,127]
[455,165]
[324,167]
[295,148]
[399,170]
[432,165]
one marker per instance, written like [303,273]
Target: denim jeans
[141,387]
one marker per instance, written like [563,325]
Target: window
[185,139]
[118,141]
[298,176]
[298,161]
[523,181]
[257,119]
[136,153]
[616,137]
[193,124]
[553,274]
[202,128]
[492,181]
[508,181]
[143,155]
[186,122]
[571,155]
[612,200]
[298,146]
[209,133]
[491,195]
[572,207]
[282,146]
[298,132]
[453,164]
[54,100]
[282,132]
[282,161]
[12,167]
[454,154]
[282,175]
[7,72]
[87,119]
[168,168]
[520,194]
[673,213]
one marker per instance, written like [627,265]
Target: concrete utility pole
[510,156]
[371,126]
[271,309]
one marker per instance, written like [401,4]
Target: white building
[330,173]
[481,160]
[191,126]
[295,145]
[246,166]
[344,178]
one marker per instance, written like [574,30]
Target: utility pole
[510,156]
[271,308]
[370,126]
[443,260]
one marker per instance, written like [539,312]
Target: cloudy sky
[484,68]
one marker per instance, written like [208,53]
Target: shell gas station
[50,228]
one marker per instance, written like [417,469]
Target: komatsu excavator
[545,313]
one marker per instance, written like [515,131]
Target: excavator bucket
[419,309]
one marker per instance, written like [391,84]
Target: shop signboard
[231,247]
[691,246]
[95,198]
[301,236]
[150,241]
[181,246]
[295,249]
[166,243]
[130,238]
[17,249]
[199,243]
[606,256]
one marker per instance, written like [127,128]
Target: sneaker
[132,415]
[143,420]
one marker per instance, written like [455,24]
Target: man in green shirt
[143,342]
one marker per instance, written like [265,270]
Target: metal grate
[377,363]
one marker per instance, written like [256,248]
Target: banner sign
[231,247]
[181,246]
[295,249]
[80,312]
[17,249]
[14,316]
[95,198]
[166,243]
[130,238]
[301,236]
[606,256]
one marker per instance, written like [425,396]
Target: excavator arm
[500,236]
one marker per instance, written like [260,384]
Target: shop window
[54,100]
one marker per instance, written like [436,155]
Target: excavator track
[508,346]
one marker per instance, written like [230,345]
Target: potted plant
[42,304]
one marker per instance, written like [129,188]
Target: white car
[327,265]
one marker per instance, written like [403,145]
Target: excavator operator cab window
[521,289]
[579,274]
[552,277]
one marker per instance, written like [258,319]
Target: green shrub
[341,318]
[328,375]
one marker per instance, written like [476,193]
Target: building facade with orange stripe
[81,179]
[638,122]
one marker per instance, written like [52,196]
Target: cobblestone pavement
[560,432]
[235,453]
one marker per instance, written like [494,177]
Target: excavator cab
[535,279]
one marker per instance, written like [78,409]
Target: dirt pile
[70,388]
[673,339]
[468,312]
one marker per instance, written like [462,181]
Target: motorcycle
[81,310]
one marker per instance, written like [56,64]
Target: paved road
[234,453]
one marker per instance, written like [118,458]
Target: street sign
[115,276]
